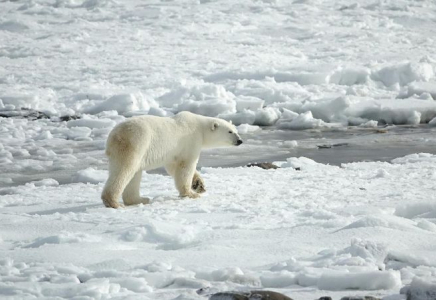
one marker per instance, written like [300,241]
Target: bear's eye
[230,132]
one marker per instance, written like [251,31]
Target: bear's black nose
[238,142]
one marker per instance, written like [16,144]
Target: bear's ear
[215,125]
[230,122]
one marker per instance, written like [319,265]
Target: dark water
[333,146]
[328,146]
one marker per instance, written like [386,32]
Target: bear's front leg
[198,183]
[183,177]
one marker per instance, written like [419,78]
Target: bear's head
[222,134]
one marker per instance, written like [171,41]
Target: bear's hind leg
[131,194]
[118,179]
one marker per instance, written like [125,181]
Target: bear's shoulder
[147,118]
[185,115]
[188,117]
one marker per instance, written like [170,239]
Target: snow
[411,211]
[403,74]
[376,280]
[420,289]
[250,103]
[122,103]
[302,121]
[300,162]
[356,230]
[90,175]
[90,123]
[63,238]
[419,89]
[135,58]
[293,76]
[246,128]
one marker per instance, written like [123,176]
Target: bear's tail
[118,145]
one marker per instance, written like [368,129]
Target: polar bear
[149,142]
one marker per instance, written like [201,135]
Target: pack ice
[70,70]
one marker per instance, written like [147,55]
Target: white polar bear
[150,142]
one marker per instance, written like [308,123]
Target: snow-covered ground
[306,64]
[362,228]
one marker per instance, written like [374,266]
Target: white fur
[150,142]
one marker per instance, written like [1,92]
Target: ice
[370,124]
[356,267]
[212,107]
[414,158]
[239,118]
[90,175]
[264,235]
[376,221]
[13,26]
[394,112]
[192,283]
[290,144]
[371,252]
[267,116]
[94,288]
[356,217]
[64,238]
[403,73]
[302,121]
[288,114]
[329,110]
[168,236]
[137,285]
[6,154]
[248,103]
[91,123]
[281,279]
[300,77]
[158,267]
[410,211]
[45,135]
[300,162]
[350,76]
[12,102]
[78,133]
[427,225]
[376,280]
[46,182]
[201,98]
[414,118]
[246,128]
[122,103]
[401,260]
[231,274]
[419,89]
[420,289]
[156,111]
